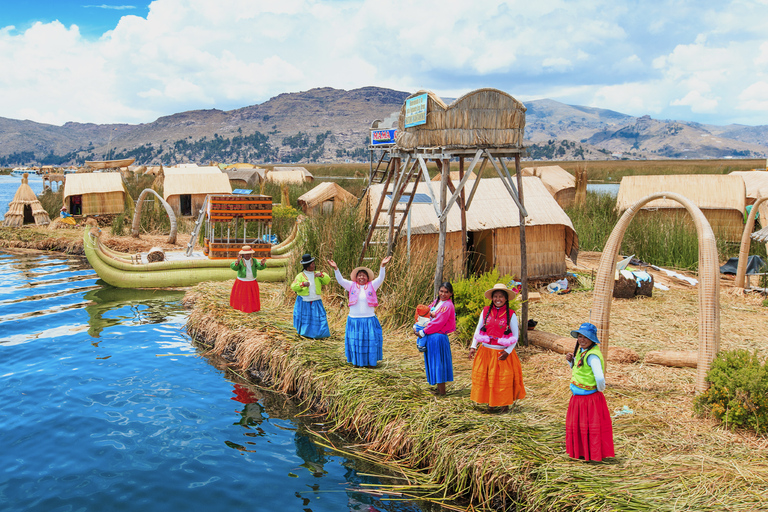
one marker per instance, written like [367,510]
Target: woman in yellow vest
[588,429]
[309,316]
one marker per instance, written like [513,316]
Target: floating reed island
[450,448]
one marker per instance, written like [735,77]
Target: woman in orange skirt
[245,291]
[497,377]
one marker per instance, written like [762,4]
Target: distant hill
[327,125]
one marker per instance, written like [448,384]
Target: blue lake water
[106,404]
[611,189]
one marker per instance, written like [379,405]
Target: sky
[99,61]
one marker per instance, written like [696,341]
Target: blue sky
[131,62]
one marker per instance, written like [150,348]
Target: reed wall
[102,203]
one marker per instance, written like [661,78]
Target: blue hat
[588,330]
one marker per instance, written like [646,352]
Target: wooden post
[523,258]
[462,207]
[444,168]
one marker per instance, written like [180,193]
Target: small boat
[124,270]
[109,164]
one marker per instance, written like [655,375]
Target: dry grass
[667,458]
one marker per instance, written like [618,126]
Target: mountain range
[332,125]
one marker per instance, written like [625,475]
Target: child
[423,315]
[588,429]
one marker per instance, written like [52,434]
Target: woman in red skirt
[588,429]
[245,291]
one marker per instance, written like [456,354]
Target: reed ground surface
[667,458]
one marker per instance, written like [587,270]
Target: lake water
[611,189]
[105,404]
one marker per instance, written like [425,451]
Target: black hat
[307,259]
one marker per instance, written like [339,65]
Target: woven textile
[310,318]
[245,296]
[363,340]
[495,382]
[588,428]
[438,361]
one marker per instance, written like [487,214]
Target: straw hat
[356,270]
[246,250]
[588,330]
[500,286]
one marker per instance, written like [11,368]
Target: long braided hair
[507,330]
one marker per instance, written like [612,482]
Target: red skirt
[588,428]
[245,296]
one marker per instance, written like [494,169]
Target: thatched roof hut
[721,198]
[454,176]
[493,229]
[484,117]
[245,178]
[325,198]
[290,175]
[560,183]
[192,169]
[186,192]
[25,208]
[756,183]
[94,193]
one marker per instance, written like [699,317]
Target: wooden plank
[523,254]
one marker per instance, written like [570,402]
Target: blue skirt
[363,341]
[438,361]
[310,319]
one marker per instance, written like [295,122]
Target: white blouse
[361,309]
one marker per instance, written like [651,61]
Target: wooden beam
[459,189]
[425,175]
[477,179]
[507,180]
[444,175]
[462,207]
[523,258]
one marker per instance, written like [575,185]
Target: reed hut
[25,208]
[559,182]
[484,117]
[493,229]
[94,193]
[296,175]
[245,178]
[454,175]
[721,198]
[755,182]
[192,169]
[186,192]
[325,198]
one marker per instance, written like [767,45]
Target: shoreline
[666,458]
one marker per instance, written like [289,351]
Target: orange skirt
[496,383]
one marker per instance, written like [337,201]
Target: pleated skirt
[245,296]
[588,428]
[363,341]
[496,383]
[310,318]
[438,361]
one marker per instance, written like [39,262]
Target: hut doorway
[185,204]
[76,205]
[28,217]
[480,251]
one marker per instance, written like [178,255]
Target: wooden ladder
[396,183]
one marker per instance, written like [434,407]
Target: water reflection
[108,307]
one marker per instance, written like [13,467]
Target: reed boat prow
[124,270]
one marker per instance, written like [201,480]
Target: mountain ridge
[327,124]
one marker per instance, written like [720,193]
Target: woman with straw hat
[245,291]
[309,316]
[438,361]
[497,376]
[363,338]
[588,428]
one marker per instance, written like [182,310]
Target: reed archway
[137,215]
[741,270]
[709,282]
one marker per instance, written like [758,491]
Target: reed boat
[124,270]
[109,164]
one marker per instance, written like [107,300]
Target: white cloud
[186,54]
[754,97]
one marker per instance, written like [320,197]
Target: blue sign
[382,137]
[418,198]
[416,110]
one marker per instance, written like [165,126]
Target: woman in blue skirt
[309,317]
[363,338]
[438,361]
